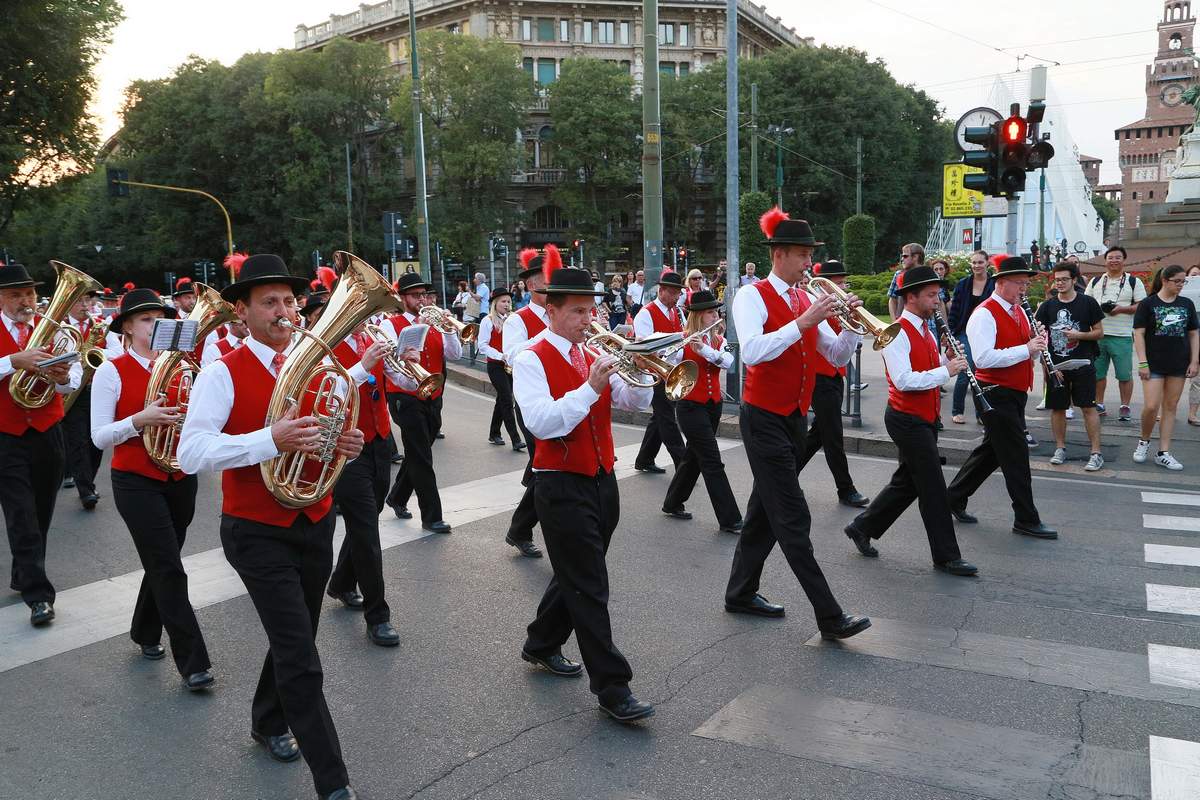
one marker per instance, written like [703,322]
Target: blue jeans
[962,384]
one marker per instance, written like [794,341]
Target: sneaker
[1094,463]
[1041,406]
[1070,413]
[1029,440]
[1124,414]
[1167,460]
[1101,410]
[1139,452]
[1059,457]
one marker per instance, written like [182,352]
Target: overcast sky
[1101,79]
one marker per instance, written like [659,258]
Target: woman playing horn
[491,346]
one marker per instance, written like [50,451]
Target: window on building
[546,147]
[545,71]
[1151,194]
[549,218]
[683,68]
[627,66]
[527,65]
[667,68]
[666,33]
[585,31]
[623,37]
[454,27]
[1135,195]
[564,30]
[683,34]
[606,32]
[545,29]
[526,29]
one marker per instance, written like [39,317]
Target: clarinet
[977,389]
[1053,375]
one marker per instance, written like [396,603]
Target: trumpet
[977,389]
[677,380]
[427,382]
[717,327]
[857,320]
[444,322]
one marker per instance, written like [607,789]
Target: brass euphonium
[857,320]
[172,376]
[30,388]
[444,322]
[677,380]
[91,353]
[312,381]
[427,382]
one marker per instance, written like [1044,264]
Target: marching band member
[283,555]
[1004,348]
[778,327]
[915,371]
[416,417]
[491,347]
[157,507]
[699,416]
[235,334]
[83,459]
[114,343]
[828,388]
[521,330]
[31,445]
[566,397]
[662,315]
[429,298]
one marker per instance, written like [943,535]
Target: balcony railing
[540,177]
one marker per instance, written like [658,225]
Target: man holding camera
[1118,294]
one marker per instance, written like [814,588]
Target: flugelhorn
[427,382]
[312,381]
[30,388]
[444,322]
[857,320]
[677,380]
[172,376]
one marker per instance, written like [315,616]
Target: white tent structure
[1068,212]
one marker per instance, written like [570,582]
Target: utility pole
[349,197]
[858,180]
[778,131]
[1042,216]
[652,192]
[732,192]
[422,199]
[754,137]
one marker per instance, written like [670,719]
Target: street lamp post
[778,131]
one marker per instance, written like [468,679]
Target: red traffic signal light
[1014,129]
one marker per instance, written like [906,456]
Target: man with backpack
[1118,294]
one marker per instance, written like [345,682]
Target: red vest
[1009,333]
[784,384]
[708,380]
[589,448]
[533,323]
[432,358]
[244,493]
[923,356]
[15,420]
[663,324]
[130,455]
[496,342]
[225,347]
[373,419]
[821,364]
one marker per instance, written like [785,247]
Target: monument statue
[1185,179]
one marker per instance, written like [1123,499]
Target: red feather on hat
[551,262]
[314,284]
[182,282]
[234,262]
[769,221]
[996,259]
[327,277]
[816,269]
[129,286]
[525,256]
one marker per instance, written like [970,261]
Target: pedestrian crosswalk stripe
[1174,666]
[1174,769]
[1171,554]
[1171,498]
[1157,521]
[1173,599]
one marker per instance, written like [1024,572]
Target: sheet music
[174,334]
[412,337]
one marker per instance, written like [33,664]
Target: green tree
[47,54]
[1106,210]
[858,244]
[752,243]
[691,136]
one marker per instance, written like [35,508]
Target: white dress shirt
[897,356]
[451,345]
[113,345]
[749,315]
[634,292]
[74,377]
[547,418]
[643,323]
[483,341]
[721,358]
[516,335]
[360,375]
[106,390]
[981,333]
[212,352]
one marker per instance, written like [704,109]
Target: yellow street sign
[958,201]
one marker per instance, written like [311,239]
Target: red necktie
[277,363]
[1021,320]
[794,300]
[578,361]
[24,331]
[361,343]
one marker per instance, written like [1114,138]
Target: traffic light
[987,159]
[113,178]
[1013,154]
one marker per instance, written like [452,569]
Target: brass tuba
[444,322]
[91,353]
[172,376]
[678,380]
[427,382]
[858,320]
[311,379]
[30,388]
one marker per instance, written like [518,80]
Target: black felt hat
[1013,265]
[496,295]
[914,278]
[829,269]
[412,280]
[568,281]
[536,263]
[780,229]
[314,301]
[672,279]
[259,270]
[702,300]
[15,276]
[136,300]
[183,286]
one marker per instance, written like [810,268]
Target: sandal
[958,419]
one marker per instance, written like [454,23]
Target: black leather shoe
[198,681]
[961,515]
[280,748]
[154,652]
[349,599]
[41,613]
[678,513]
[556,664]
[757,605]
[957,567]
[344,793]
[628,710]
[528,549]
[862,542]
[68,482]
[735,528]
[1035,529]
[653,469]
[437,527]
[398,458]
[518,446]
[89,502]
[496,440]
[439,435]
[854,499]
[843,627]
[402,512]
[383,634]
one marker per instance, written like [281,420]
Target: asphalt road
[1064,670]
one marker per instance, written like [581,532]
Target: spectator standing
[1193,277]
[635,293]
[969,292]
[615,299]
[459,306]
[482,295]
[749,276]
[911,255]
[1118,294]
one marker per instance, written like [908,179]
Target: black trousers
[31,473]
[502,411]
[579,514]
[525,517]
[360,493]
[662,429]
[826,432]
[157,514]
[698,422]
[1003,446]
[285,570]
[777,511]
[83,457]
[416,419]
[918,477]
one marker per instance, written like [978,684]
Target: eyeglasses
[907,255]
[1177,281]
[1063,280]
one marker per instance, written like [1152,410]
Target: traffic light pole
[422,199]
[1010,233]
[228,224]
